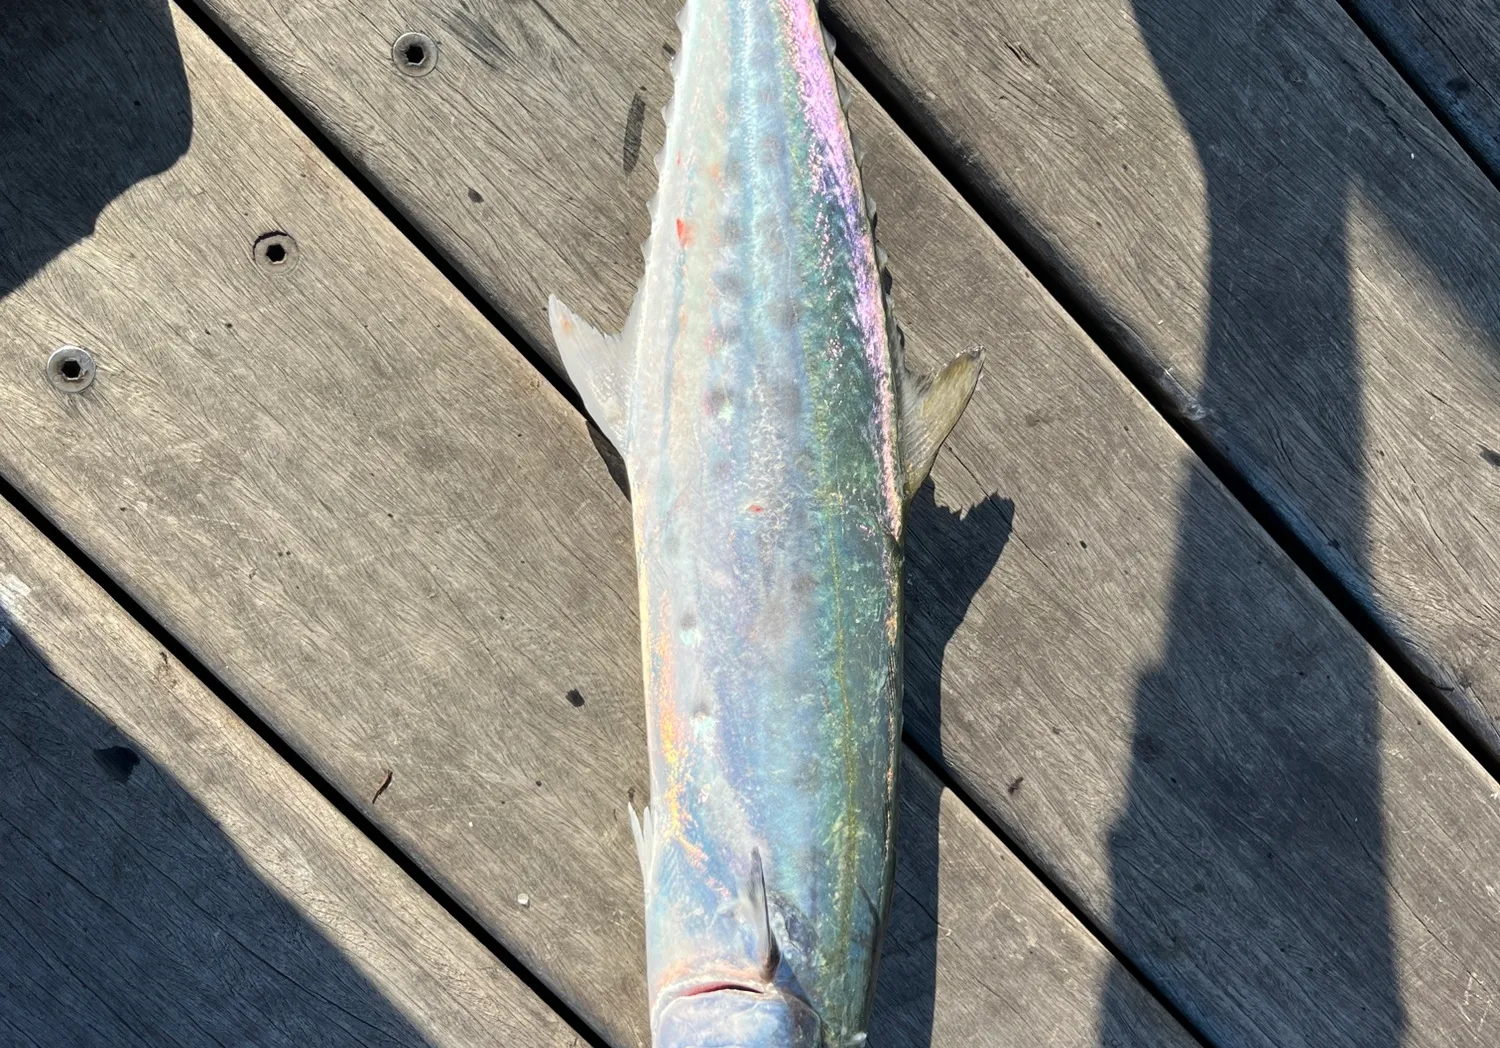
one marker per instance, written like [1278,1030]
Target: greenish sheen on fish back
[773,437]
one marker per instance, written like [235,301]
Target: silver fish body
[772,437]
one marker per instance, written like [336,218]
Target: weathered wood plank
[1146,692]
[368,515]
[169,880]
[1451,51]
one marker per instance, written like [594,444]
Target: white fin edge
[643,828]
[599,366]
[930,408]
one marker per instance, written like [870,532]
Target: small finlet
[829,42]
[599,366]
[929,411]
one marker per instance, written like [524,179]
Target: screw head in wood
[415,54]
[276,250]
[70,369]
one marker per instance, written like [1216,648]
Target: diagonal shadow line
[1041,259]
[119,875]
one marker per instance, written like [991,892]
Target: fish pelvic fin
[930,408]
[599,366]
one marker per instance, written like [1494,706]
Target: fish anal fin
[930,408]
[599,366]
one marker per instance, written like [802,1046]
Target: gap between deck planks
[1144,692]
[168,880]
[1289,247]
[371,519]
[1451,52]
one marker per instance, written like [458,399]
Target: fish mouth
[717,987]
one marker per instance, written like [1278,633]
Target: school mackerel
[772,436]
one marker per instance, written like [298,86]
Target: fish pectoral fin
[930,408]
[599,366]
[643,828]
[759,904]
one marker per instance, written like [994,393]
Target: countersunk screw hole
[70,369]
[276,250]
[415,54]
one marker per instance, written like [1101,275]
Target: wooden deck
[318,643]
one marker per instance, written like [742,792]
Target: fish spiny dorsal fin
[930,408]
[760,916]
[599,366]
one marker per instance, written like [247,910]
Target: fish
[772,436]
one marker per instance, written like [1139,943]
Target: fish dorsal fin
[600,368]
[767,951]
[930,408]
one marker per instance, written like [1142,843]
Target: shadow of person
[130,917]
[93,99]
[1248,860]
[949,555]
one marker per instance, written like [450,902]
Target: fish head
[738,1017]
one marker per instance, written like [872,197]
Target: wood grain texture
[1140,689]
[367,514]
[1285,239]
[1450,50]
[169,880]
